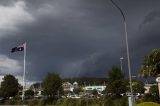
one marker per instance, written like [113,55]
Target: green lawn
[148,104]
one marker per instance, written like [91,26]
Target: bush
[69,102]
[82,102]
[9,102]
[49,101]
[79,102]
[123,101]
[148,104]
[108,102]
[93,102]
[149,98]
[33,102]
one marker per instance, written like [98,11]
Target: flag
[18,48]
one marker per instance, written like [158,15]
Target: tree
[115,74]
[154,89]
[95,92]
[77,90]
[52,85]
[151,65]
[116,82]
[9,86]
[138,86]
[153,94]
[29,92]
[117,87]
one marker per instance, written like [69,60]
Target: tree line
[116,83]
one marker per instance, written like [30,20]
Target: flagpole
[23,93]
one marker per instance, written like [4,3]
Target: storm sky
[75,38]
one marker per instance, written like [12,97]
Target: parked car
[73,96]
[2,98]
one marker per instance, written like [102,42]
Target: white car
[74,96]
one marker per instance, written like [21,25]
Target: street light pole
[121,63]
[128,56]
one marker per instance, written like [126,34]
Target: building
[75,85]
[147,87]
[67,86]
[98,88]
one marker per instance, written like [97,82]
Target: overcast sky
[76,38]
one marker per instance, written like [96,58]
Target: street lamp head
[134,76]
[121,58]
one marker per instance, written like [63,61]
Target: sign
[158,79]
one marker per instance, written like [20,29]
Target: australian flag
[18,48]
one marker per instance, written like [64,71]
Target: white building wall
[98,88]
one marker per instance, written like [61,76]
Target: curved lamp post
[128,57]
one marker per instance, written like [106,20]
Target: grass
[148,104]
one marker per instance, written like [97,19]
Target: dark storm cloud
[148,33]
[152,17]
[146,38]
[81,37]
[7,2]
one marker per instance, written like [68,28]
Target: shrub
[121,101]
[65,102]
[79,102]
[49,101]
[108,102]
[33,102]
[82,102]
[13,102]
[70,102]
[149,98]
